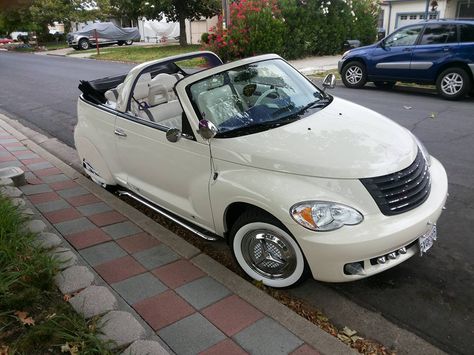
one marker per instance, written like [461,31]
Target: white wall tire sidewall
[277,283]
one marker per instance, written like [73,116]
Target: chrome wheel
[268,254]
[354,75]
[452,83]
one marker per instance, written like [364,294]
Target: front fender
[277,192]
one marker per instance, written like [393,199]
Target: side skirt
[200,232]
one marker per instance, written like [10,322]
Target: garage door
[415,17]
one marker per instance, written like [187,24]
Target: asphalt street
[430,295]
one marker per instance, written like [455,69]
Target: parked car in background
[5,40]
[106,33]
[439,52]
[296,180]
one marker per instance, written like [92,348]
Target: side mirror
[173,135]
[207,129]
[329,81]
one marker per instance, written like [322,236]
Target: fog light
[402,250]
[392,256]
[381,260]
[354,269]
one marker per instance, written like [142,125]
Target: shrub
[293,28]
[205,38]
[256,27]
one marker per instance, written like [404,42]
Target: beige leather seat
[163,106]
[218,105]
[140,94]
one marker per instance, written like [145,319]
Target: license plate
[426,241]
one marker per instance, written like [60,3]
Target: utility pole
[226,10]
[427,9]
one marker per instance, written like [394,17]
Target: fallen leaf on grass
[67,297]
[24,319]
[51,316]
[72,349]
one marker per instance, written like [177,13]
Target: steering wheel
[265,95]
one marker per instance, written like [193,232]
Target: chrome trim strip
[393,65]
[472,67]
[166,214]
[421,65]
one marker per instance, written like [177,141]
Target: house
[398,13]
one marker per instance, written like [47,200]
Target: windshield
[255,97]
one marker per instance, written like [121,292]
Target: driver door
[391,59]
[175,176]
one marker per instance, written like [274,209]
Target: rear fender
[93,163]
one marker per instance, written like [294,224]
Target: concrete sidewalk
[192,303]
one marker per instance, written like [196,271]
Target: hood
[343,140]
[354,50]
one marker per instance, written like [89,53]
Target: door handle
[407,49]
[120,132]
[446,49]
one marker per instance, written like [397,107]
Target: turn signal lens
[324,216]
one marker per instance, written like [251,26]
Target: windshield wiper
[257,127]
[315,104]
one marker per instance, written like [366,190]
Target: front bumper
[339,66]
[378,235]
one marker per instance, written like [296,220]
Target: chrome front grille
[401,191]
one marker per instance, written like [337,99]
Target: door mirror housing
[329,82]
[207,129]
[173,135]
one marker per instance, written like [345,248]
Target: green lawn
[140,54]
[34,317]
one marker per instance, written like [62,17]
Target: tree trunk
[182,32]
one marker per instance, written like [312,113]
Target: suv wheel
[129,42]
[453,83]
[354,75]
[384,84]
[266,251]
[84,44]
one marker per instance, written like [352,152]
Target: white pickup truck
[104,33]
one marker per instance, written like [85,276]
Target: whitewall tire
[267,253]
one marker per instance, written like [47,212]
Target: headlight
[424,151]
[324,215]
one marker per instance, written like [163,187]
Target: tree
[180,11]
[130,9]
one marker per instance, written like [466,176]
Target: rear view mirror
[173,135]
[329,81]
[207,129]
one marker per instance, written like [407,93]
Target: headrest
[141,88]
[167,80]
[157,94]
[111,95]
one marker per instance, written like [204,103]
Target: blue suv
[434,52]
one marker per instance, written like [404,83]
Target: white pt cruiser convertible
[295,180]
